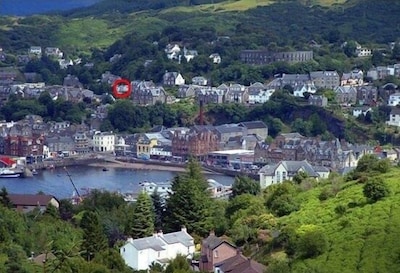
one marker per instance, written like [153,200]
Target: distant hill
[29,7]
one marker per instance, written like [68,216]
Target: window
[216,254]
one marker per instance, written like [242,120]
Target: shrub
[325,194]
[375,189]
[312,244]
[340,209]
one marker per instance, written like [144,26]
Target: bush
[375,189]
[312,244]
[340,209]
[325,194]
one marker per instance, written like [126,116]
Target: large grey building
[261,57]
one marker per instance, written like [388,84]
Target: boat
[105,169]
[34,172]
[9,173]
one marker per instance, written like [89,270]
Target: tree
[158,208]
[178,265]
[142,220]
[4,199]
[244,184]
[312,243]
[94,239]
[189,204]
[375,189]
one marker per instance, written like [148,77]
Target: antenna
[72,182]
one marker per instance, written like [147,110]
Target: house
[159,248]
[358,111]
[172,51]
[239,264]
[53,52]
[394,117]
[72,81]
[60,144]
[367,95]
[300,90]
[189,54]
[394,99]
[208,95]
[147,93]
[292,80]
[29,202]
[285,170]
[104,142]
[346,94]
[236,93]
[325,79]
[214,250]
[173,78]
[259,93]
[35,50]
[354,78]
[216,58]
[199,81]
[320,101]
[185,91]
[82,143]
[363,51]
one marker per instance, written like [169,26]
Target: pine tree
[159,209]
[189,204]
[94,239]
[142,219]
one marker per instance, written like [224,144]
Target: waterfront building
[104,142]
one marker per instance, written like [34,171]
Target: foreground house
[239,264]
[139,254]
[214,250]
[29,202]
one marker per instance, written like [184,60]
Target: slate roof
[153,242]
[30,199]
[253,124]
[240,264]
[291,167]
[212,241]
[158,241]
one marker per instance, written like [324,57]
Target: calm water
[57,183]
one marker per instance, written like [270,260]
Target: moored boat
[9,173]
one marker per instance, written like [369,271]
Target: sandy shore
[138,166]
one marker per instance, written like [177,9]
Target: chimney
[183,228]
[212,233]
[130,240]
[238,251]
[160,233]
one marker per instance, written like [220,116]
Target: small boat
[9,173]
[34,172]
[105,169]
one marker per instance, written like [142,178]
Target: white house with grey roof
[160,248]
[285,170]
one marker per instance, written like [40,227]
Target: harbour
[123,180]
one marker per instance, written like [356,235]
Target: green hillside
[362,236]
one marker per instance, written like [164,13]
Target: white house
[103,142]
[260,96]
[36,50]
[173,51]
[199,80]
[216,58]
[285,170]
[139,254]
[394,99]
[301,89]
[358,111]
[189,54]
[394,117]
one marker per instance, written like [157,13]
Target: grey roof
[253,124]
[158,241]
[178,237]
[228,128]
[291,167]
[153,242]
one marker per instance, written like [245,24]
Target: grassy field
[363,239]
